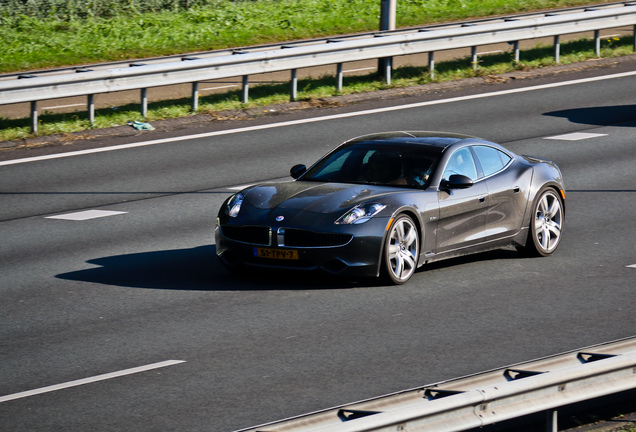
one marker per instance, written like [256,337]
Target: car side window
[461,162]
[491,159]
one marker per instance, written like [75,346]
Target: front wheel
[546,225]
[401,250]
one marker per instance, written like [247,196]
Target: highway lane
[84,298]
[231,159]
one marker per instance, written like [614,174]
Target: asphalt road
[139,287]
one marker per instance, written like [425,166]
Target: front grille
[257,235]
[303,238]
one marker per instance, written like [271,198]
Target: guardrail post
[245,90]
[634,36]
[195,96]
[91,108]
[339,77]
[34,116]
[387,22]
[144,102]
[431,64]
[597,43]
[557,49]
[294,85]
[473,55]
[388,64]
[552,417]
[515,49]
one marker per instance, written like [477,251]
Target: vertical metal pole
[339,77]
[388,62]
[34,116]
[245,90]
[91,108]
[144,102]
[431,64]
[294,85]
[552,417]
[387,22]
[515,48]
[387,14]
[634,35]
[473,55]
[597,43]
[195,96]
[557,49]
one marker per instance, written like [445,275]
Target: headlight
[234,205]
[360,214]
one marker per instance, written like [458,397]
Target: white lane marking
[89,380]
[315,119]
[631,266]
[220,87]
[358,70]
[239,187]
[85,215]
[576,136]
[63,106]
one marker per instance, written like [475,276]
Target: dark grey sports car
[385,204]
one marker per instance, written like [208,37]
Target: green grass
[69,35]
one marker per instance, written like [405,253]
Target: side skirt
[519,239]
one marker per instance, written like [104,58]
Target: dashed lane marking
[89,380]
[85,215]
[576,136]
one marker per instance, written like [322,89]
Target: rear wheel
[546,224]
[401,250]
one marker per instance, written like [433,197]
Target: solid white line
[490,52]
[219,87]
[358,70]
[89,380]
[239,187]
[62,106]
[317,119]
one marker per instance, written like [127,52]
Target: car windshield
[377,163]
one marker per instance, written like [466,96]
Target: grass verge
[38,35]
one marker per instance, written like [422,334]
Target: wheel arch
[417,220]
[556,187]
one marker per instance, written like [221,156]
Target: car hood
[313,197]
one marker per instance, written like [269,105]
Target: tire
[401,250]
[546,225]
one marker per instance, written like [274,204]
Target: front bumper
[349,250]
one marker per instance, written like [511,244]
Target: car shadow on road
[600,116]
[195,269]
[198,269]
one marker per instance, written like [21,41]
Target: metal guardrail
[333,52]
[483,399]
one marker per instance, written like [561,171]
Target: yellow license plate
[285,254]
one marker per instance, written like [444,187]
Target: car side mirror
[297,170]
[457,181]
